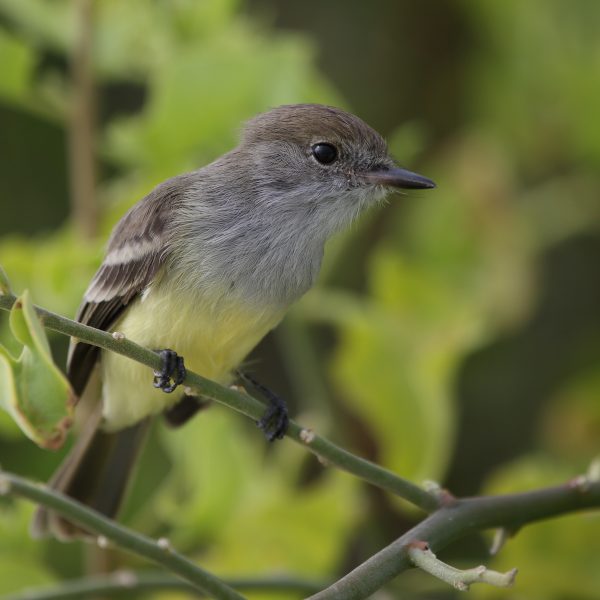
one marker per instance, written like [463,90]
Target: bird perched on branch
[202,268]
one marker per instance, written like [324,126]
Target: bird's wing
[136,252]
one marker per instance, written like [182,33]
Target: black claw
[172,372]
[275,421]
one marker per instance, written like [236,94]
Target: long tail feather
[95,472]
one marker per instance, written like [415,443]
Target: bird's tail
[95,472]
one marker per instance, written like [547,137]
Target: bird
[200,270]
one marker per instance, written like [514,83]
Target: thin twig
[82,161]
[456,520]
[122,584]
[127,539]
[242,403]
[423,558]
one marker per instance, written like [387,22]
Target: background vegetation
[454,336]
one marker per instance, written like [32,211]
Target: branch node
[442,495]
[125,578]
[307,436]
[164,544]
[593,472]
[324,462]
[433,487]
[423,558]
[582,483]
[419,545]
[5,486]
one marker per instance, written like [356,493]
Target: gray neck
[240,241]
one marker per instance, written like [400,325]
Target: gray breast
[262,258]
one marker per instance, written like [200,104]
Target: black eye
[324,153]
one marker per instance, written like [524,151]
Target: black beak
[399,178]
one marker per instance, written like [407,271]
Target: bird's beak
[399,178]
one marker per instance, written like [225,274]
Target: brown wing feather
[136,252]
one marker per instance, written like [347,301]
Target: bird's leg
[172,372]
[275,421]
[184,410]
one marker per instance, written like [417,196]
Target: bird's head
[323,159]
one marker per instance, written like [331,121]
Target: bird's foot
[275,421]
[172,372]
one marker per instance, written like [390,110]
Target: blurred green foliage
[424,301]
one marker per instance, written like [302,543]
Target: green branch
[449,520]
[155,551]
[122,584]
[242,403]
[457,519]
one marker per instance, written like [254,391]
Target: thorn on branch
[422,557]
[500,538]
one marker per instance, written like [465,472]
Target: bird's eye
[324,153]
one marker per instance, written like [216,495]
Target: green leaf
[184,123]
[50,23]
[32,389]
[295,529]
[220,488]
[205,486]
[400,392]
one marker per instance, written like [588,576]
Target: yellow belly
[213,338]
